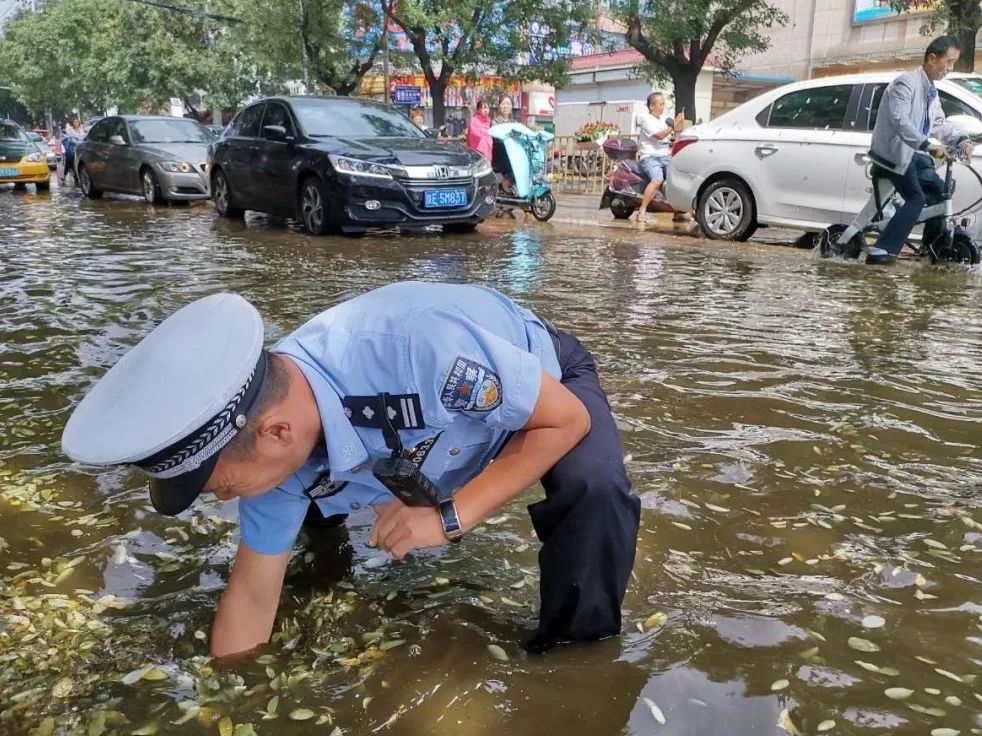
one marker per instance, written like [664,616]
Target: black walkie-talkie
[398,473]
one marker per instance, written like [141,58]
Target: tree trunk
[684,82]
[966,42]
[438,88]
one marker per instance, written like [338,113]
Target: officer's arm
[558,422]
[248,607]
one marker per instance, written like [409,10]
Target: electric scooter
[519,153]
[626,183]
[953,245]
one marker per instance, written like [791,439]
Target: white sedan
[796,156]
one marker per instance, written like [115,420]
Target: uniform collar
[345,450]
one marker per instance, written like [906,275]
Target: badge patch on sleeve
[470,386]
[324,487]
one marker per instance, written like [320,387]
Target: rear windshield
[169,131]
[9,132]
[353,119]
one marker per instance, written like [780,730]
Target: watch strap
[451,522]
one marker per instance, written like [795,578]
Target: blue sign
[407,94]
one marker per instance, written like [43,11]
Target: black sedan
[340,164]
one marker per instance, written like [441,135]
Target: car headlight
[481,168]
[34,158]
[177,167]
[354,167]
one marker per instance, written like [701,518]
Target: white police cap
[176,399]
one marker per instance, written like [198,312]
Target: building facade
[827,37]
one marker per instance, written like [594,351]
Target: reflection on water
[803,435]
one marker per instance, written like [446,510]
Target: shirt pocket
[458,449]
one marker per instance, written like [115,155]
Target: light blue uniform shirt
[474,357]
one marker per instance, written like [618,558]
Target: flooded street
[804,436]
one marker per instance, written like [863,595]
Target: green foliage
[959,18]
[316,40]
[684,33]
[474,37]
[678,37]
[94,54]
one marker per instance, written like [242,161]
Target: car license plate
[7,171]
[445,198]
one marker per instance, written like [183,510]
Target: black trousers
[588,522]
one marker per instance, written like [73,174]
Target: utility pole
[304,60]
[385,55]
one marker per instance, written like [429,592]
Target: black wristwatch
[451,524]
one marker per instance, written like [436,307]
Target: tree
[472,37]
[678,37]
[960,18]
[90,55]
[319,42]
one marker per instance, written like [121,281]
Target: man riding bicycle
[910,113]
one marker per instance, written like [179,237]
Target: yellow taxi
[21,162]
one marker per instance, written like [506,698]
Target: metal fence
[578,168]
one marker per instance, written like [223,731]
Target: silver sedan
[161,158]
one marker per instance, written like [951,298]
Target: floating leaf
[862,645]
[953,700]
[949,675]
[873,622]
[779,685]
[898,693]
[497,652]
[149,730]
[301,714]
[62,688]
[868,666]
[944,732]
[655,711]
[655,619]
[225,726]
[934,543]
[273,704]
[825,725]
[155,674]
[131,678]
[391,644]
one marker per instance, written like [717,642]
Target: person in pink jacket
[478,137]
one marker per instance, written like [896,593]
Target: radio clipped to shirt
[400,473]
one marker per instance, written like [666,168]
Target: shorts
[654,167]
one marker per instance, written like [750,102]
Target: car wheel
[43,186]
[313,207]
[543,207]
[726,211]
[961,249]
[19,186]
[460,227]
[221,195]
[85,181]
[621,209]
[151,187]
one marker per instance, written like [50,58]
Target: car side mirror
[276,133]
[117,140]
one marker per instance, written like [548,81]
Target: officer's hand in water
[399,529]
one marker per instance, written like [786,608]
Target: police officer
[398,399]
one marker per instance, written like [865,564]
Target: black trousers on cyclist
[588,522]
[920,186]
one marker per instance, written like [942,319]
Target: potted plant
[593,134]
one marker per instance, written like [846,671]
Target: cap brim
[171,496]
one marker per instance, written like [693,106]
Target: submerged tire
[960,250]
[831,247]
[620,209]
[726,210]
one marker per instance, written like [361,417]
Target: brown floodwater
[803,436]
